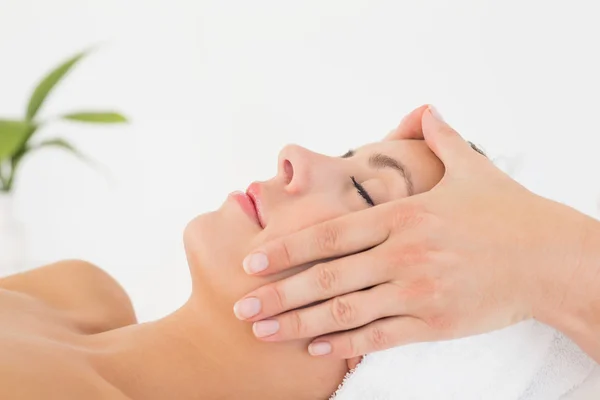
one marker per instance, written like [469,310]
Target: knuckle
[286,254]
[410,254]
[344,314]
[408,216]
[350,347]
[425,287]
[418,253]
[326,279]
[378,338]
[439,322]
[328,239]
[426,294]
[276,293]
[297,324]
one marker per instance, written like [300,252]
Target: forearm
[577,313]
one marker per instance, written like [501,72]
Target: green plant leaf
[13,134]
[47,84]
[63,144]
[28,149]
[60,143]
[97,117]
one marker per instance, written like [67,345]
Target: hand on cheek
[440,265]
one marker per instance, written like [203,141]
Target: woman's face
[308,188]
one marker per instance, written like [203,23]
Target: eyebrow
[380,161]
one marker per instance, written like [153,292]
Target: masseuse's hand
[477,253]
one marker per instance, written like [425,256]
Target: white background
[215,88]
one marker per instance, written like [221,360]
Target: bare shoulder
[41,377]
[31,373]
[82,291]
[43,315]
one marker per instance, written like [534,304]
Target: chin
[216,241]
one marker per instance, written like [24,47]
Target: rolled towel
[527,361]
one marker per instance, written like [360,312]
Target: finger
[353,362]
[409,127]
[379,335]
[320,282]
[334,238]
[444,141]
[338,314]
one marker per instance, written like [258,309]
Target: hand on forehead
[410,127]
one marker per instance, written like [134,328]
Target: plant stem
[3,182]
[9,183]
[14,162]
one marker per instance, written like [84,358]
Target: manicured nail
[255,263]
[247,308]
[319,348]
[436,114]
[265,328]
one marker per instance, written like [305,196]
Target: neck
[203,351]
[180,356]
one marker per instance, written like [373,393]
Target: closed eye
[359,188]
[362,192]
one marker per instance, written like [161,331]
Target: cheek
[293,216]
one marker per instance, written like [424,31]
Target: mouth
[253,192]
[250,203]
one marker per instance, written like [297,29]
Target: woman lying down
[68,330]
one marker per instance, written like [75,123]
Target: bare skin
[44,313]
[477,253]
[53,347]
[69,330]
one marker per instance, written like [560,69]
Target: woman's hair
[477,149]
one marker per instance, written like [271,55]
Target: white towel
[528,361]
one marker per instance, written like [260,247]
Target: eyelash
[362,192]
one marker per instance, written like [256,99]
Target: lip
[247,205]
[253,192]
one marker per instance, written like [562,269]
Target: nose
[297,167]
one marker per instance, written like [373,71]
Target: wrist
[569,296]
[556,260]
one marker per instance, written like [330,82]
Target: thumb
[410,126]
[444,141]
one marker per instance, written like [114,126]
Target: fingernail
[247,308]
[265,328]
[319,348]
[255,263]
[436,114]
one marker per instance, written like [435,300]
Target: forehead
[425,168]
[408,149]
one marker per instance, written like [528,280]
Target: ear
[353,362]
[410,126]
